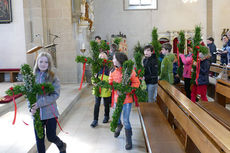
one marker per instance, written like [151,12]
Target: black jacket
[151,69]
[212,48]
[204,69]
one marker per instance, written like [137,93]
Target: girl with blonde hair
[44,72]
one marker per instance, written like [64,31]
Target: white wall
[110,18]
[12,39]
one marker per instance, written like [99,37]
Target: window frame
[153,6]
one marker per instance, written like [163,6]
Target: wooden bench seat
[217,111]
[200,129]
[13,74]
[159,136]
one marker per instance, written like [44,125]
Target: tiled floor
[84,139]
[19,138]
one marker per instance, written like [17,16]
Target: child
[118,59]
[98,39]
[167,63]
[212,48]
[187,61]
[203,79]
[105,94]
[113,49]
[44,72]
[175,75]
[225,50]
[151,72]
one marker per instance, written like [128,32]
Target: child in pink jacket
[187,61]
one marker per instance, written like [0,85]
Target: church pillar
[209,18]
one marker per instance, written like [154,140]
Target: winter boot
[118,130]
[61,146]
[128,134]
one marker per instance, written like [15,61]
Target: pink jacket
[116,76]
[187,61]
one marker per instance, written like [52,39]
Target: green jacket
[104,92]
[167,68]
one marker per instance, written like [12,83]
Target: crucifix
[30,89]
[96,62]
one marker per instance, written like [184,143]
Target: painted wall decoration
[123,44]
[5,11]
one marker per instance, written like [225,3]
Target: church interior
[189,115]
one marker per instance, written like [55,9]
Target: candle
[82,46]
[83,9]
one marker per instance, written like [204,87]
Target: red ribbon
[112,95]
[135,97]
[83,73]
[59,125]
[198,67]
[25,123]
[139,71]
[15,106]
[43,89]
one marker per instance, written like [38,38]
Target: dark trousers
[224,59]
[187,87]
[107,102]
[50,125]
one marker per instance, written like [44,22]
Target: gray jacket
[47,103]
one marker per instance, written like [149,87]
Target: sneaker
[94,124]
[106,119]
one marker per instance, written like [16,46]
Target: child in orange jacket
[116,76]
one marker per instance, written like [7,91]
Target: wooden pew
[218,68]
[218,112]
[13,74]
[159,137]
[222,92]
[200,132]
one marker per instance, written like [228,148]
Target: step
[20,137]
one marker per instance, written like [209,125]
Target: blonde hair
[103,55]
[50,70]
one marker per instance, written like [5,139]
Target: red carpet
[7,99]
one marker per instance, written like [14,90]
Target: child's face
[148,52]
[103,56]
[209,42]
[98,40]
[189,49]
[164,51]
[115,62]
[43,63]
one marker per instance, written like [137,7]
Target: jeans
[152,92]
[51,125]
[107,101]
[126,113]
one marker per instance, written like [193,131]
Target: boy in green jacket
[167,63]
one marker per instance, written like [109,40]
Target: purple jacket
[187,61]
